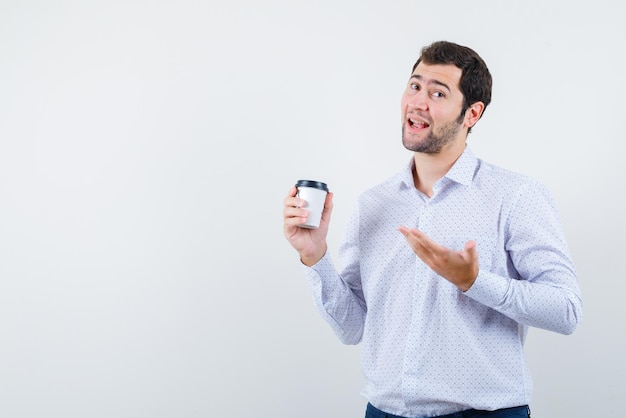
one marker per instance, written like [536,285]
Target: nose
[417,100]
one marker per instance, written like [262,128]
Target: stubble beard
[434,142]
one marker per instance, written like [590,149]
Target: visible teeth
[418,122]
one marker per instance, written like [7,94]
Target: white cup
[314,194]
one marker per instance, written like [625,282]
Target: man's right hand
[310,243]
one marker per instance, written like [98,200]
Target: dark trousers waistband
[522,411]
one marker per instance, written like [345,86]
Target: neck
[429,168]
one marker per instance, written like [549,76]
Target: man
[446,264]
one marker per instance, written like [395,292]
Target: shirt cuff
[320,269]
[489,289]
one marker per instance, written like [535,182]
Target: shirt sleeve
[545,292]
[339,297]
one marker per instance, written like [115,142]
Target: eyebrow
[437,82]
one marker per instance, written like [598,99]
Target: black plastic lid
[313,184]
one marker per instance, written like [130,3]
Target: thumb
[328,207]
[470,248]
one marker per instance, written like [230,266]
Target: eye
[414,86]
[438,94]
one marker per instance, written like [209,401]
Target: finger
[328,203]
[428,244]
[292,199]
[470,250]
[328,207]
[293,222]
[470,246]
[294,202]
[292,219]
[416,245]
[293,212]
[415,238]
[411,239]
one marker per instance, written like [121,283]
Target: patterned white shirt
[427,348]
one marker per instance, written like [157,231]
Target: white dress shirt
[428,348]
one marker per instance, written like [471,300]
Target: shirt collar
[462,171]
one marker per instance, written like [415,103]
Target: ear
[473,113]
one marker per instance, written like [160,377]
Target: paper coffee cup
[314,194]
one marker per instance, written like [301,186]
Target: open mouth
[417,123]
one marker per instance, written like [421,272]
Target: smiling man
[445,265]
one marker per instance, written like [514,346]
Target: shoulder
[516,192]
[500,178]
[389,188]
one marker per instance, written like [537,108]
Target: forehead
[447,74]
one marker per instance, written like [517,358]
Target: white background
[146,148]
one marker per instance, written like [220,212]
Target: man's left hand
[458,267]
